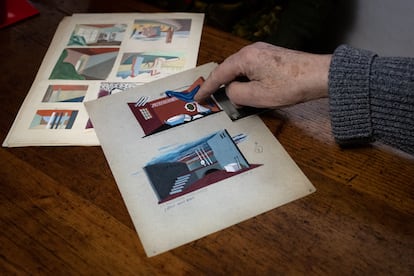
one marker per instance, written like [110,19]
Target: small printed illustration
[54,119]
[176,108]
[65,93]
[194,165]
[84,64]
[97,35]
[161,30]
[109,88]
[144,67]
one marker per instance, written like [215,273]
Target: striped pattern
[372,98]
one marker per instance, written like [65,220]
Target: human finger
[224,73]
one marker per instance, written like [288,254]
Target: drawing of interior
[85,63]
[65,93]
[152,30]
[100,34]
[152,64]
[196,165]
[54,119]
[169,111]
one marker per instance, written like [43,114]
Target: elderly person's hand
[276,77]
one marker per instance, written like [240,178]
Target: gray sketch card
[202,173]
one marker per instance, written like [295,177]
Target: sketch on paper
[175,108]
[54,119]
[97,35]
[65,93]
[194,165]
[84,64]
[161,30]
[146,66]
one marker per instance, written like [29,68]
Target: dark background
[310,25]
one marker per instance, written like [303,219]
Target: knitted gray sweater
[371,98]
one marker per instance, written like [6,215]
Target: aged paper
[185,176]
[94,55]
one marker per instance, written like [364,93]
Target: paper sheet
[93,55]
[223,191]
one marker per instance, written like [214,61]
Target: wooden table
[62,214]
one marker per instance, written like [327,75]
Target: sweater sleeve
[371,98]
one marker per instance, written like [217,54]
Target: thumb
[244,93]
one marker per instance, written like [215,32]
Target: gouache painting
[54,119]
[175,108]
[84,63]
[194,165]
[161,30]
[147,66]
[97,35]
[65,93]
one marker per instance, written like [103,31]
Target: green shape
[77,40]
[65,70]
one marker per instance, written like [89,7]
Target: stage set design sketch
[90,49]
[54,119]
[145,65]
[65,93]
[84,64]
[97,34]
[161,30]
[195,165]
[175,108]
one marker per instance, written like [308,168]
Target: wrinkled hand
[276,76]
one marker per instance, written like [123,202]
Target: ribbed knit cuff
[349,97]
